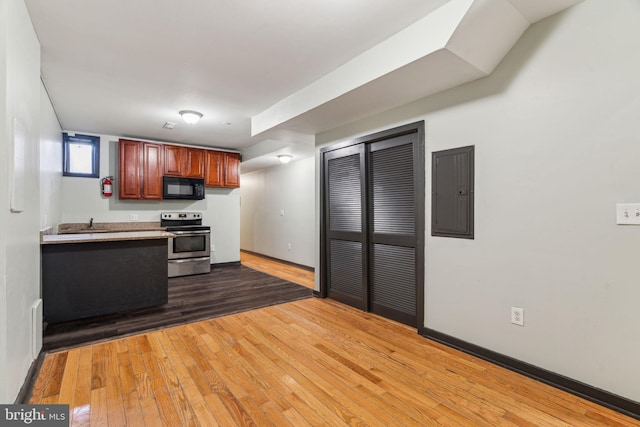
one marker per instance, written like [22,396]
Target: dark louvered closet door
[345,220]
[392,229]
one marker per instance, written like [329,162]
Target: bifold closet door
[392,237]
[345,216]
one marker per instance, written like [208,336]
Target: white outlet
[628,213]
[133,217]
[289,246]
[517,316]
[213,248]
[281,212]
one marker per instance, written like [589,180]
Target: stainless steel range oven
[189,251]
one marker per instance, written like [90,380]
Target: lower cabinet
[89,279]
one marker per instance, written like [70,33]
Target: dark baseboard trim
[599,396]
[25,392]
[293,264]
[224,264]
[317,294]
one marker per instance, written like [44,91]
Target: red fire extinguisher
[107,190]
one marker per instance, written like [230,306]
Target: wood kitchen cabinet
[174,157]
[194,163]
[222,169]
[215,169]
[232,170]
[143,164]
[184,161]
[140,170]
[95,278]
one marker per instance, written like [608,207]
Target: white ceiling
[124,68]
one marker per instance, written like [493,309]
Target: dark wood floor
[226,290]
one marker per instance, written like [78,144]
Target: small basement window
[81,156]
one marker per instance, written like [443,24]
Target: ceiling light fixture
[285,158]
[190,116]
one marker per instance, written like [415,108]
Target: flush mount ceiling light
[190,116]
[285,158]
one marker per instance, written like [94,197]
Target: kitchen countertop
[52,239]
[105,227]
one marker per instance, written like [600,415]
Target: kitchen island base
[87,279]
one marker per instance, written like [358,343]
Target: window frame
[94,141]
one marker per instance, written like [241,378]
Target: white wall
[82,200]
[50,164]
[19,236]
[265,193]
[557,134]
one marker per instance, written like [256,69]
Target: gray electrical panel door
[452,193]
[345,220]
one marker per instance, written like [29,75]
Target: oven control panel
[180,216]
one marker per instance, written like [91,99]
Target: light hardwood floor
[284,271]
[309,362]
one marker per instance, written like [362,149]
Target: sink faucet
[91,223]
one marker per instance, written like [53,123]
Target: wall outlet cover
[517,316]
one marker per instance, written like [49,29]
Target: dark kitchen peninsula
[86,275]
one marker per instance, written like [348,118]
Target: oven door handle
[180,261]
[190,232]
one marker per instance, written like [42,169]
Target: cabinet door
[152,170]
[215,169]
[129,170]
[194,164]
[174,158]
[232,170]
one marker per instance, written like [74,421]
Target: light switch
[628,213]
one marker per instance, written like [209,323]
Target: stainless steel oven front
[189,249]
[189,244]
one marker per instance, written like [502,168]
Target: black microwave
[175,187]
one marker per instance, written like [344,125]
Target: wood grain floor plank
[98,367]
[133,411]
[285,391]
[307,362]
[69,378]
[80,407]
[227,289]
[44,375]
[99,417]
[304,277]
[196,399]
[55,380]
[115,402]
[289,376]
[147,400]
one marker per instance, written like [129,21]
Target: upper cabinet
[184,161]
[215,169]
[232,170]
[140,170]
[194,163]
[174,157]
[223,169]
[142,165]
